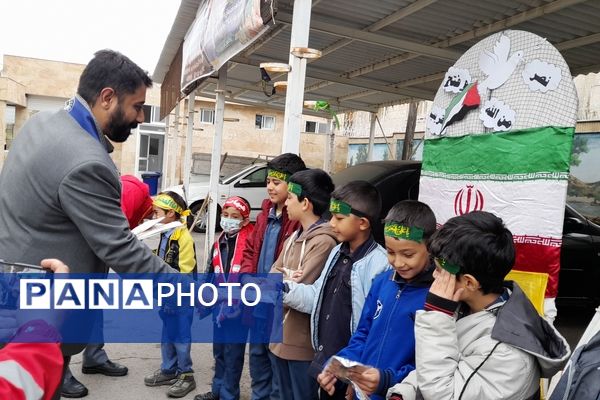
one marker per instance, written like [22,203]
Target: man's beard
[118,129]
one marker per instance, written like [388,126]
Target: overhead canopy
[381,52]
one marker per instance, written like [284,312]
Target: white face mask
[231,225]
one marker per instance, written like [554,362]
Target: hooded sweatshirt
[306,251]
[136,202]
[498,353]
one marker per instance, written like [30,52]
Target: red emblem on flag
[468,200]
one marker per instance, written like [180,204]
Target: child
[136,202]
[336,299]
[302,259]
[272,228]
[226,260]
[176,247]
[384,340]
[479,337]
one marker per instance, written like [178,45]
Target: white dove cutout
[497,65]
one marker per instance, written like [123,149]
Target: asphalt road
[143,359]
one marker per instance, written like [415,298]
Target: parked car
[395,180]
[579,277]
[248,183]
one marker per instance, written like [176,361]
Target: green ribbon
[448,266]
[399,231]
[340,207]
[321,105]
[282,176]
[294,188]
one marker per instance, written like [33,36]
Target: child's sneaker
[159,378]
[185,383]
[207,396]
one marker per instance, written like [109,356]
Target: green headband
[339,207]
[294,188]
[448,266]
[398,231]
[282,176]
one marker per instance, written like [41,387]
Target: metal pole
[371,137]
[329,147]
[166,180]
[187,166]
[411,124]
[215,160]
[175,147]
[295,93]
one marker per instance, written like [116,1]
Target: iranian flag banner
[499,139]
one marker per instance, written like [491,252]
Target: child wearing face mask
[229,343]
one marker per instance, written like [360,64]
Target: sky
[72,30]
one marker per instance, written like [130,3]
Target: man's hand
[52,317]
[444,285]
[327,381]
[366,379]
[54,265]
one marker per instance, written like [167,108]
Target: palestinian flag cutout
[508,150]
[465,101]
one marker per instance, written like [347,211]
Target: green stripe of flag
[546,149]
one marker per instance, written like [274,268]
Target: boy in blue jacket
[384,340]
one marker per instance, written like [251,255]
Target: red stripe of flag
[533,257]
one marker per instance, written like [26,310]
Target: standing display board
[499,139]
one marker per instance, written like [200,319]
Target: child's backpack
[581,379]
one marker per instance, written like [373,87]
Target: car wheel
[201,222]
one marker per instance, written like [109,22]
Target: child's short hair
[177,199]
[413,213]
[480,245]
[316,186]
[289,163]
[361,196]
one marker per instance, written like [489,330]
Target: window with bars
[151,114]
[207,116]
[316,127]
[265,122]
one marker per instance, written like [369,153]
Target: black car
[579,278]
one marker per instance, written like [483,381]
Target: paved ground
[143,359]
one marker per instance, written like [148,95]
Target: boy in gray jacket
[479,337]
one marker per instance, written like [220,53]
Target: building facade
[29,85]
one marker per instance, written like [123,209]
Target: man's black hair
[289,163]
[361,196]
[316,187]
[480,244]
[413,213]
[177,199]
[111,69]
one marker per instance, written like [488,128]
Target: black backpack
[581,380]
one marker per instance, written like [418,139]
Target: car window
[254,179]
[231,178]
[583,192]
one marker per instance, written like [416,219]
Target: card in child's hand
[340,367]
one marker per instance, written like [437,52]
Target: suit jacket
[60,198]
